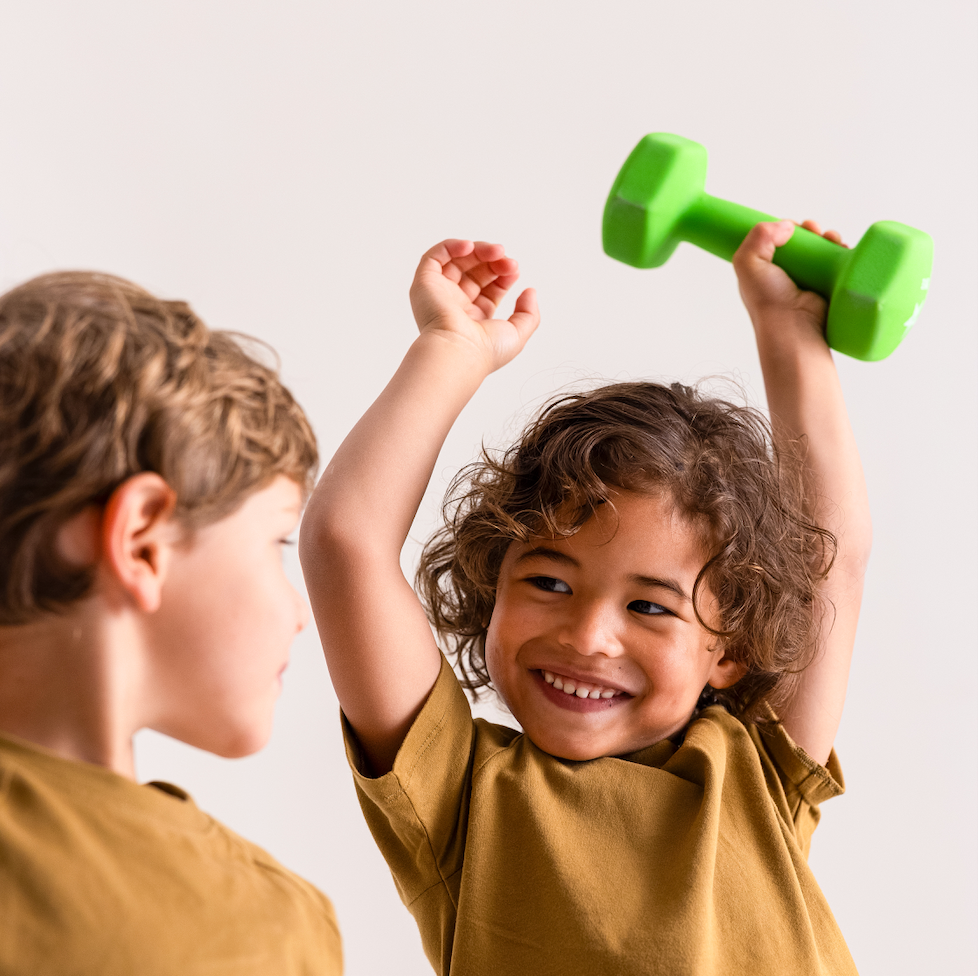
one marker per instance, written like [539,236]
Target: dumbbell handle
[719,226]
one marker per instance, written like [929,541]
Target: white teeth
[569,687]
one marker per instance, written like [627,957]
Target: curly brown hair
[723,469]
[99,381]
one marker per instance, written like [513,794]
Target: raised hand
[764,287]
[370,620]
[458,287]
[807,408]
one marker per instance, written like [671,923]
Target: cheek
[502,643]
[492,653]
[500,663]
[670,667]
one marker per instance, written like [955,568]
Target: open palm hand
[456,291]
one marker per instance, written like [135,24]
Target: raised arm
[805,401]
[379,648]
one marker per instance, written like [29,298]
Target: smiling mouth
[580,689]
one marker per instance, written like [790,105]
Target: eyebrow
[554,555]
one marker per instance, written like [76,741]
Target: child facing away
[150,472]
[642,579]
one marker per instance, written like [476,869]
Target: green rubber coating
[875,291]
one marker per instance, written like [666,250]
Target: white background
[283,165]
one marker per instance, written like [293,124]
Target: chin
[230,741]
[245,742]
[576,755]
[563,749]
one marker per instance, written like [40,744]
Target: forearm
[380,650]
[807,406]
[370,621]
[370,491]
[806,403]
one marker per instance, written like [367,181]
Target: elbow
[338,542]
[855,548]
[326,539]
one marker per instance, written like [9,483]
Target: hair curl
[720,464]
[99,381]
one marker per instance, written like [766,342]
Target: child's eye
[646,607]
[550,584]
[282,545]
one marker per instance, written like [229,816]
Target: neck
[69,683]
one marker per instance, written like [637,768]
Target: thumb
[526,313]
[763,240]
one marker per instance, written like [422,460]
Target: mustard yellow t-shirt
[100,876]
[680,861]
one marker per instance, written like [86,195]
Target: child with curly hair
[664,595]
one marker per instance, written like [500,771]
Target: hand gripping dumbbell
[875,290]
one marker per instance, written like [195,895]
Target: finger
[451,249]
[487,252]
[763,240]
[491,294]
[441,259]
[526,314]
[470,279]
[481,254]
[479,251]
[830,235]
[485,262]
[480,269]
[484,272]
[490,280]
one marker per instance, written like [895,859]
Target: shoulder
[743,762]
[444,735]
[722,736]
[83,845]
[301,908]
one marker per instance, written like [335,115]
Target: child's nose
[301,612]
[591,628]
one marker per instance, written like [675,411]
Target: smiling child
[663,595]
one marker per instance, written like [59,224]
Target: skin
[362,509]
[187,635]
[608,608]
[381,654]
[806,401]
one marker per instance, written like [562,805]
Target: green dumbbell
[875,290]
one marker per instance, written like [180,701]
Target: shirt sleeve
[418,811]
[805,782]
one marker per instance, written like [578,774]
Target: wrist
[455,357]
[789,333]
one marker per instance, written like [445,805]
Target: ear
[725,672]
[138,535]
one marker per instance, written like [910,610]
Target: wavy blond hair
[99,381]
[719,463]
